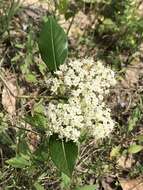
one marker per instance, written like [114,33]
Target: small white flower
[86,83]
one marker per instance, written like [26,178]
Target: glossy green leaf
[53,44]
[63,154]
[87,187]
[135,148]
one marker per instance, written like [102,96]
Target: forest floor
[116,168]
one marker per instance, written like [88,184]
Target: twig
[88,156]
[7,178]
[28,130]
[70,24]
[86,147]
[2,161]
[29,96]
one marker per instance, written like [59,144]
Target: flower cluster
[84,84]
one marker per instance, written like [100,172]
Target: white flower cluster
[84,83]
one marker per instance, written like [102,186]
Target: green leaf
[39,121]
[135,117]
[38,107]
[53,44]
[19,162]
[135,148]
[66,181]
[87,187]
[22,146]
[115,152]
[63,6]
[30,78]
[38,186]
[42,68]
[140,138]
[63,154]
[41,154]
